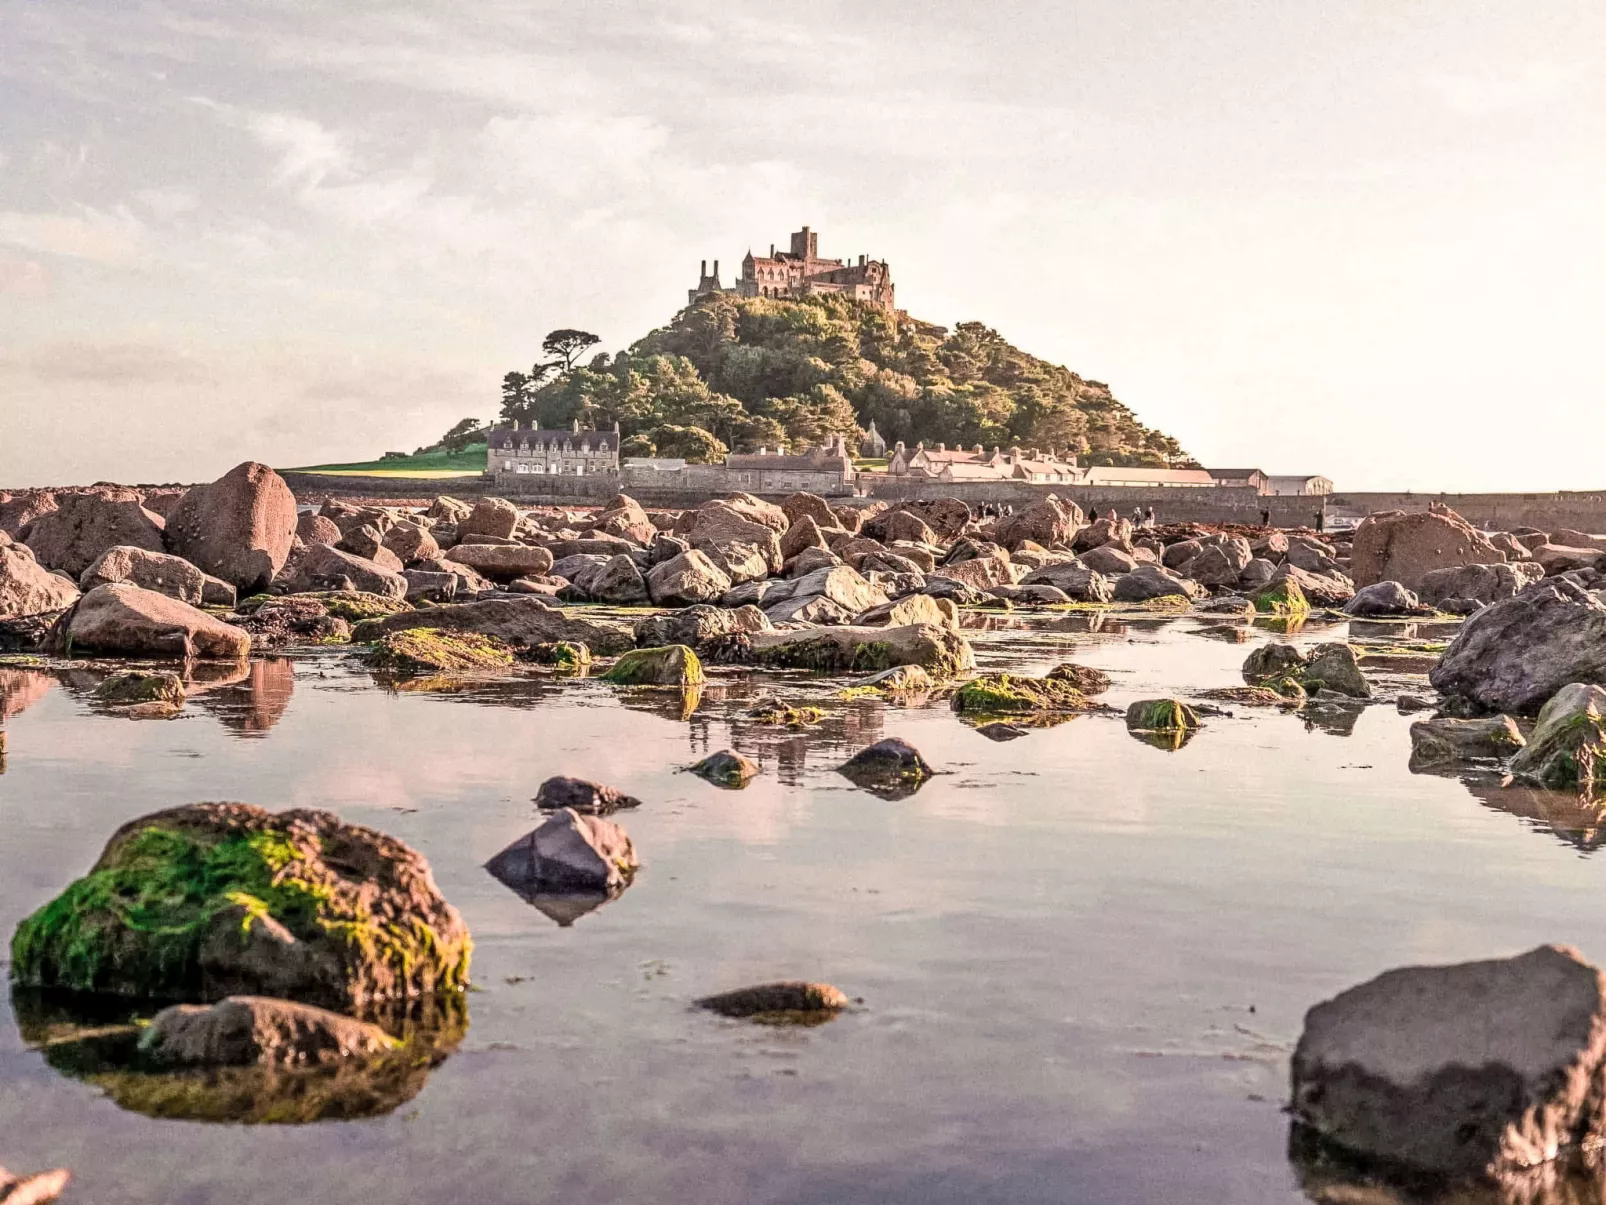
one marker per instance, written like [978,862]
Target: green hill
[738,373]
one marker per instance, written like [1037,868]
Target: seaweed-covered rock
[1273,660]
[1333,667]
[245,1030]
[790,1001]
[940,651]
[1085,678]
[528,620]
[726,768]
[1285,598]
[672,665]
[1011,694]
[1466,1071]
[134,688]
[1447,742]
[124,620]
[438,650]
[583,795]
[238,528]
[561,654]
[1567,749]
[1319,589]
[292,619]
[569,852]
[891,767]
[354,606]
[1161,715]
[218,899]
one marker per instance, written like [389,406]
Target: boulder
[321,567]
[1214,566]
[446,509]
[1515,654]
[1383,598]
[502,562]
[170,575]
[1465,1071]
[27,587]
[596,544]
[1014,694]
[940,651]
[1282,597]
[979,572]
[590,798]
[1031,596]
[71,537]
[805,533]
[17,511]
[1447,742]
[959,593]
[124,620]
[368,542]
[1567,750]
[313,528]
[1333,667]
[899,680]
[914,608]
[1078,581]
[624,517]
[256,1030]
[1570,538]
[490,517]
[665,547]
[726,768]
[1485,583]
[410,542]
[1256,574]
[1179,554]
[135,688]
[688,578]
[521,622]
[1109,560]
[905,557]
[698,625]
[1321,590]
[792,1001]
[238,528]
[892,765]
[618,582]
[809,506]
[1161,715]
[1151,581]
[810,559]
[1271,661]
[1100,532]
[755,510]
[1404,547]
[847,593]
[219,899]
[438,651]
[1556,559]
[671,665]
[293,619]
[1053,522]
[570,852]
[424,585]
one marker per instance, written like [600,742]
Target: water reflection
[96,1040]
[1580,822]
[253,703]
[1332,717]
[20,689]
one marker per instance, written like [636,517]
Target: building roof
[1235,474]
[509,437]
[1105,474]
[1285,483]
[823,462]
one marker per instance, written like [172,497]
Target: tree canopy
[760,371]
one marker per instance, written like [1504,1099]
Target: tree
[691,444]
[567,344]
[519,390]
[463,433]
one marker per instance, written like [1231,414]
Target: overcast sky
[1359,238]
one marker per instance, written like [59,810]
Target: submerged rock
[1000,731]
[434,650]
[1465,1071]
[892,767]
[125,620]
[1442,743]
[569,852]
[245,1030]
[132,688]
[219,899]
[726,768]
[592,798]
[673,665]
[1161,715]
[779,1003]
[1567,750]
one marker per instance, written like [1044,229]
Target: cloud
[167,203]
[112,236]
[116,364]
[26,278]
[308,151]
[1537,86]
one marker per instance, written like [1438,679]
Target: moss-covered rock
[354,606]
[1085,678]
[1284,598]
[132,687]
[1273,660]
[726,768]
[1161,715]
[772,709]
[437,650]
[1333,667]
[672,665]
[220,899]
[1009,694]
[566,655]
[1567,750]
[940,651]
[789,1003]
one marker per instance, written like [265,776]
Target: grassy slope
[470,462]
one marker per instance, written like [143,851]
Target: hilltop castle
[800,272]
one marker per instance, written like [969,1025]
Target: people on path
[1321,519]
[1148,518]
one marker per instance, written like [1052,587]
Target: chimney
[705,269]
[576,427]
[1014,455]
[942,447]
[515,424]
[772,250]
[716,269]
[762,450]
[898,447]
[976,449]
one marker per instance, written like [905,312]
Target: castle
[801,272]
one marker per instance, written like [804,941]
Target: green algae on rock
[437,650]
[1567,749]
[354,606]
[940,651]
[1285,599]
[564,655]
[216,899]
[132,687]
[1010,694]
[671,665]
[1085,678]
[1161,715]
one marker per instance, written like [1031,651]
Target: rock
[438,651]
[312,528]
[368,542]
[778,1002]
[239,528]
[1272,661]
[811,559]
[1406,704]
[293,619]
[219,899]
[1012,694]
[979,572]
[256,1030]
[1255,574]
[618,582]
[1382,598]
[1485,583]
[1515,654]
[520,622]
[569,852]
[135,688]
[696,626]
[502,562]
[1151,581]
[1109,560]
[596,544]
[490,517]
[1321,590]
[1000,731]
[1031,596]
[1283,598]
[582,795]
[946,589]
[1401,547]
[27,587]
[1556,559]
[1465,1071]
[744,545]
[563,655]
[904,525]
[847,593]
[1101,532]
[803,534]
[1161,715]
[809,506]
[900,679]
[624,517]
[665,547]
[125,620]
[37,1189]
[754,510]
[688,578]
[1439,743]
[324,568]
[893,766]
[1085,678]
[447,509]
[426,586]
[1567,750]
[1050,523]
[673,665]
[913,608]
[72,537]
[1078,581]
[170,575]
[410,543]
[940,651]
[1333,667]
[17,511]
[468,581]
[726,769]
[905,557]
[1215,567]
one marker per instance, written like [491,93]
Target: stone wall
[1578,510]
[1175,504]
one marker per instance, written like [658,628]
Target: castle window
[507,466]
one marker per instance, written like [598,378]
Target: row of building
[525,459]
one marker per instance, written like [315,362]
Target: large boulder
[623,517]
[1151,581]
[809,506]
[321,567]
[522,622]
[1567,750]
[570,852]
[619,582]
[502,562]
[1516,653]
[696,626]
[446,509]
[1110,560]
[1333,667]
[124,620]
[1559,558]
[313,528]
[914,608]
[671,665]
[221,899]
[27,587]
[490,517]
[980,572]
[238,528]
[688,578]
[259,1031]
[71,537]
[1466,1071]
[1051,522]
[1404,547]
[743,547]
[802,535]
[833,594]
[170,575]
[1320,589]
[1078,581]
[17,511]
[1483,583]
[1382,599]
[940,651]
[1101,532]
[409,542]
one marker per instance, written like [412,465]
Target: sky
[1359,239]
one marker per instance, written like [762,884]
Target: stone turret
[872,446]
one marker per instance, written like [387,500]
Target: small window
[507,466]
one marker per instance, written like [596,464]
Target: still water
[1083,960]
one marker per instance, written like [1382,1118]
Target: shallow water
[1083,960]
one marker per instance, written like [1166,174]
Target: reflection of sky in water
[1058,939]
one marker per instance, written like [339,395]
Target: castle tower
[806,244]
[872,446]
